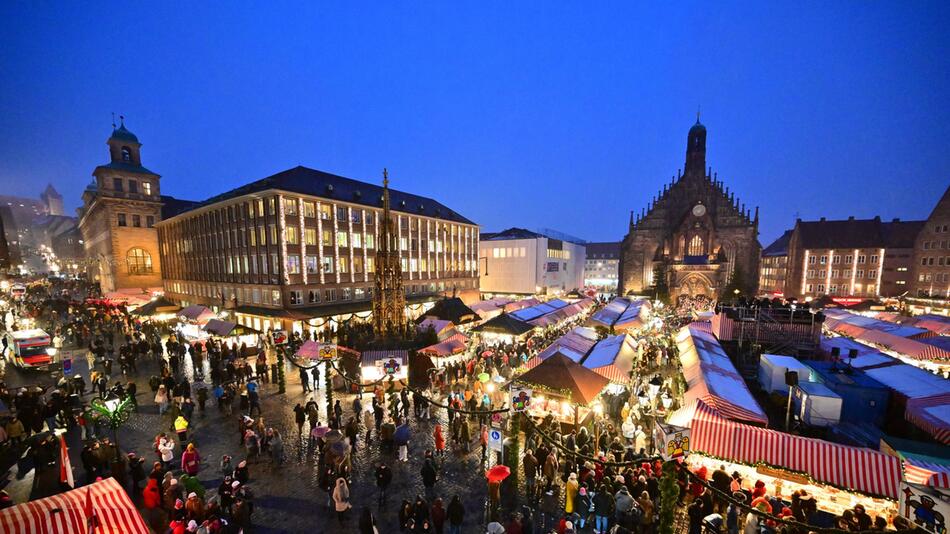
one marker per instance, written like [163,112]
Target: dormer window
[126,154]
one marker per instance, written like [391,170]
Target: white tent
[816,405]
[772,368]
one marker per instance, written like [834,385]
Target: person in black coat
[455,513]
[429,474]
[384,476]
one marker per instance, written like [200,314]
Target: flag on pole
[65,467]
[92,520]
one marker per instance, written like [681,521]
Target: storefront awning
[196,313]
[932,414]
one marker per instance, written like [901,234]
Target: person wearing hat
[137,472]
[582,505]
[190,460]
[194,507]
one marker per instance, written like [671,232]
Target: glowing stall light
[854,270]
[804,271]
[831,260]
[880,271]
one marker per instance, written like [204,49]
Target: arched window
[138,261]
[126,154]
[696,247]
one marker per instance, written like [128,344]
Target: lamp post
[113,412]
[598,412]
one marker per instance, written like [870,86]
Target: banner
[925,506]
[327,352]
[672,442]
[520,398]
[390,365]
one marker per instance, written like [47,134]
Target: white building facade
[522,262]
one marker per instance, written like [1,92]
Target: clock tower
[118,216]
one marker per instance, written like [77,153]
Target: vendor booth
[377,364]
[159,309]
[504,328]
[613,358]
[567,390]
[71,512]
[452,310]
[862,470]
[575,344]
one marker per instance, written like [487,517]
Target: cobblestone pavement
[288,498]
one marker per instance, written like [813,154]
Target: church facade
[695,234]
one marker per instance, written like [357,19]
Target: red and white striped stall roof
[65,513]
[932,414]
[863,470]
[907,347]
[926,473]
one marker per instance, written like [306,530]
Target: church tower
[117,219]
[696,150]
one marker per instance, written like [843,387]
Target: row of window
[935,260]
[509,252]
[848,258]
[934,245]
[835,273]
[934,277]
[120,184]
[941,228]
[123,219]
[835,289]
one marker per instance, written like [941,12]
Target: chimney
[821,219]
[850,217]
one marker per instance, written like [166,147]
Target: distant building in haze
[53,201]
[602,265]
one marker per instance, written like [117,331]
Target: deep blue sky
[565,116]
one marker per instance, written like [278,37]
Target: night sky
[564,116]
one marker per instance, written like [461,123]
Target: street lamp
[113,412]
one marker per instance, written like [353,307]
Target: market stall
[613,358]
[196,314]
[567,389]
[927,473]
[377,364]
[232,332]
[159,309]
[712,378]
[503,328]
[575,344]
[863,470]
[452,310]
[72,511]
[932,414]
[448,351]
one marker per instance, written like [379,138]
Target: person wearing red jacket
[152,495]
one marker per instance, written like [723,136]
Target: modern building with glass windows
[298,248]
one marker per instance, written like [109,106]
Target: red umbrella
[498,473]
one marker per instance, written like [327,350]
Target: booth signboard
[327,352]
[520,399]
[925,506]
[495,439]
[280,337]
[390,365]
[67,364]
[672,442]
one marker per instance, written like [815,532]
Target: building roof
[172,206]
[559,372]
[607,250]
[510,234]
[306,181]
[451,309]
[779,247]
[123,134]
[504,324]
[901,234]
[125,166]
[858,233]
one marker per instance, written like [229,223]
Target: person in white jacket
[166,448]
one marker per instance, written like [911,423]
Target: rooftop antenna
[113,120]
[122,121]
[697,113]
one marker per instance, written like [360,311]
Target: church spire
[696,150]
[389,299]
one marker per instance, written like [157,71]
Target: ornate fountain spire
[389,299]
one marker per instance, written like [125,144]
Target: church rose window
[138,261]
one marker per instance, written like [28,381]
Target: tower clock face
[699,210]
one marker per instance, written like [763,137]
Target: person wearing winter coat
[341,499]
[161,399]
[456,515]
[439,440]
[152,495]
[603,507]
[647,507]
[368,522]
[190,460]
[437,515]
[582,505]
[165,450]
[550,508]
[570,492]
[429,474]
